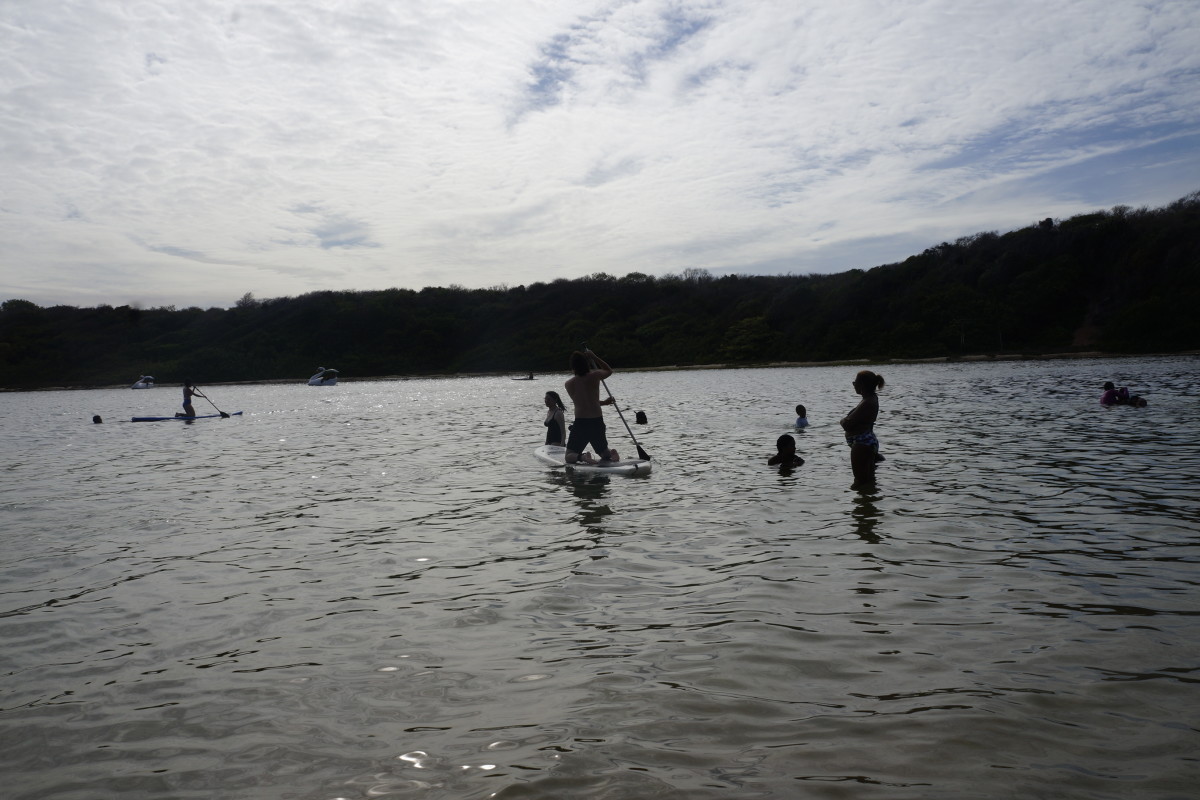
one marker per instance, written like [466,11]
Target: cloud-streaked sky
[185,152]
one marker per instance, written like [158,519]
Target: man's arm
[598,365]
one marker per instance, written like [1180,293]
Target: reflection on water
[590,493]
[866,516]
[337,596]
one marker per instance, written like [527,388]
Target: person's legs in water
[862,462]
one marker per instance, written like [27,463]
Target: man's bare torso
[584,391]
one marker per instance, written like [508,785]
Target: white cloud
[187,152]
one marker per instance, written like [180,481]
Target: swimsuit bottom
[585,431]
[867,438]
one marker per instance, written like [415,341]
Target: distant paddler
[190,390]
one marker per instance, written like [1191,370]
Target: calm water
[375,591]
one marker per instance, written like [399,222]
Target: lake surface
[375,591]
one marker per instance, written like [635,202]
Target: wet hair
[801,411]
[96,419]
[640,418]
[867,378]
[557,400]
[1108,386]
[579,363]
[785,442]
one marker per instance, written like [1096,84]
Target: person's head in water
[866,382]
[96,419]
[640,418]
[801,411]
[1109,386]
[579,363]
[786,455]
[553,400]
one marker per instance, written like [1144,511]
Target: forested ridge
[1122,281]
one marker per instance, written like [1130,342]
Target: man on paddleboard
[584,390]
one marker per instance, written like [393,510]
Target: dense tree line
[1123,280]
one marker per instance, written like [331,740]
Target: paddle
[214,405]
[641,453]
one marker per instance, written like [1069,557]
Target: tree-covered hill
[1121,281]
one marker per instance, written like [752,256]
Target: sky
[186,152]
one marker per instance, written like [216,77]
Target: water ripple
[334,596]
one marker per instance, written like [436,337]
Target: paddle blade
[642,453]
[224,415]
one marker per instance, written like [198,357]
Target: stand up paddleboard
[554,455]
[184,419]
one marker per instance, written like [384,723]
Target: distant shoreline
[938,360]
[848,362]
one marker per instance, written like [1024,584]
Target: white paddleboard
[554,455]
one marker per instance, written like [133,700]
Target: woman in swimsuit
[188,391]
[859,426]
[556,421]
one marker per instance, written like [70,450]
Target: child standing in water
[859,426]
[801,417]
